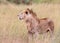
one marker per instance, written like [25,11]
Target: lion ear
[29,9]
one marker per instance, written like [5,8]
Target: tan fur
[36,25]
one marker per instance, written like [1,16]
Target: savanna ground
[12,30]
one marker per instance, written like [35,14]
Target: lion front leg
[30,38]
[36,37]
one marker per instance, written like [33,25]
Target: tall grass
[42,1]
[26,1]
[12,30]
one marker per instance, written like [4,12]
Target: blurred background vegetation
[12,30]
[28,1]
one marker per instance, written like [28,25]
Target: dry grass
[13,30]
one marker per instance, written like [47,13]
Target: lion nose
[20,18]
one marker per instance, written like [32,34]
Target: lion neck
[32,20]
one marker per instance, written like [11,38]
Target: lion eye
[26,12]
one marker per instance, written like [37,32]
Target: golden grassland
[12,30]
